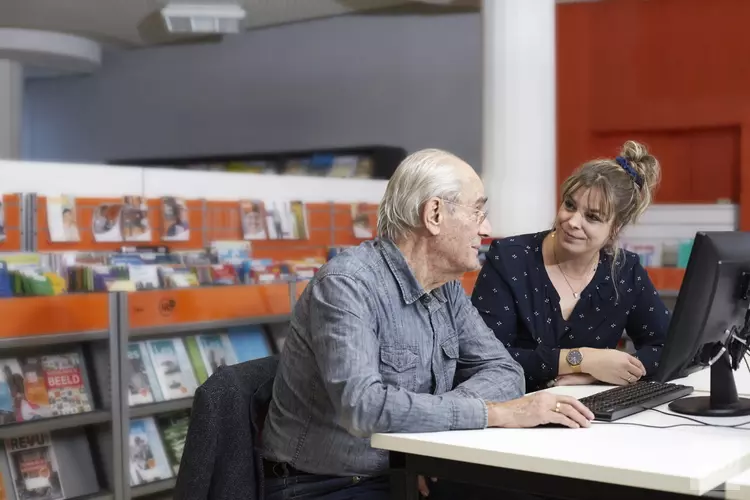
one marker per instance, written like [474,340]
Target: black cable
[697,423]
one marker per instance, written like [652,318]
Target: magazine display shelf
[177,312]
[328,225]
[34,322]
[111,321]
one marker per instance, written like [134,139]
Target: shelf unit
[385,158]
[109,322]
[33,323]
[190,311]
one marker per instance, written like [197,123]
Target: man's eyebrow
[481,201]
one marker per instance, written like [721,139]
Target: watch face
[574,358]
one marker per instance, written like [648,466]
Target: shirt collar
[411,290]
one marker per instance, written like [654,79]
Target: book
[173,369]
[216,350]
[42,386]
[143,386]
[34,467]
[148,461]
[174,429]
[66,387]
[194,353]
[249,342]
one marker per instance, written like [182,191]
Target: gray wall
[410,81]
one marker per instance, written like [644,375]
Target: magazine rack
[105,324]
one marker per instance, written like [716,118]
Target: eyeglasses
[479,215]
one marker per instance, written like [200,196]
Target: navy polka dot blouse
[517,300]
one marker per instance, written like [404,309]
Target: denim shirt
[370,351]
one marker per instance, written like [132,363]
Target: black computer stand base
[723,401]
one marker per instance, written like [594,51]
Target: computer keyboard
[619,402]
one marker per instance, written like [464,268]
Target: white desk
[738,487]
[608,460]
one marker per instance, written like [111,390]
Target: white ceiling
[133,23]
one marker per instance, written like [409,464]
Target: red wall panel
[672,73]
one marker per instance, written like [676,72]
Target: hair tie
[625,164]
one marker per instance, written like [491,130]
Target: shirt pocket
[398,366]
[449,348]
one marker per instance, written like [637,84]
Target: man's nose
[485,228]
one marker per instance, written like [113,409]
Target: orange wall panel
[668,72]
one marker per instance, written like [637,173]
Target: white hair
[422,175]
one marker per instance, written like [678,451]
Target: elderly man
[384,339]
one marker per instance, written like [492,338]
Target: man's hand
[576,379]
[540,408]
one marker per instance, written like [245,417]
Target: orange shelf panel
[666,278]
[12,207]
[300,287]
[468,280]
[31,316]
[160,308]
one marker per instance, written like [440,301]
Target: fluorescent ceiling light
[203,18]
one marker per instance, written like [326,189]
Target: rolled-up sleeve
[485,367]
[346,349]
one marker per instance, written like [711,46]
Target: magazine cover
[249,342]
[35,386]
[253,217]
[298,214]
[135,226]
[279,220]
[141,375]
[175,221]
[105,222]
[2,219]
[216,350]
[62,222]
[16,405]
[66,388]
[172,366]
[148,461]
[361,224]
[34,467]
[174,428]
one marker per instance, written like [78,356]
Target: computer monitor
[711,304]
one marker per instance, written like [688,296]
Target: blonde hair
[626,185]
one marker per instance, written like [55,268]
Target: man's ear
[433,215]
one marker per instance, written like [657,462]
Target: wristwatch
[574,359]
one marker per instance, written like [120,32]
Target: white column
[518,150]
[11,102]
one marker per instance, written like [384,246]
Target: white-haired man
[384,339]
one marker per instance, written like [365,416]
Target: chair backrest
[221,459]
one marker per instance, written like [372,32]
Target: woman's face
[581,225]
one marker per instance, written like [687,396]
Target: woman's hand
[576,379]
[424,490]
[612,366]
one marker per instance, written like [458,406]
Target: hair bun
[646,165]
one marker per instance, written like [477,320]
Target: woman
[559,300]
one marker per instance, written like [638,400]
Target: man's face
[463,226]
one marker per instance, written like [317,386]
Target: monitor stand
[723,401]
